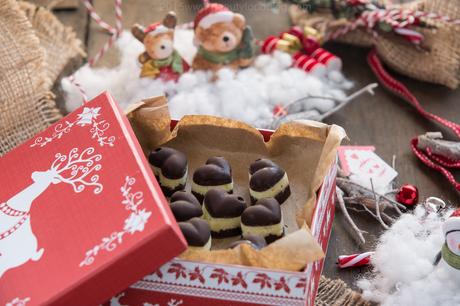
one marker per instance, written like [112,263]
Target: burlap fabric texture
[441,64]
[35,47]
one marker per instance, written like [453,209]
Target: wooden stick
[341,202]
[435,142]
[356,189]
[377,209]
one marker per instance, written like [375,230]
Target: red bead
[279,110]
[407,195]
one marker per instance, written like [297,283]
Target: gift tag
[362,164]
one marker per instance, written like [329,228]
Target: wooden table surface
[383,120]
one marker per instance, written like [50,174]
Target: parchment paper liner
[306,150]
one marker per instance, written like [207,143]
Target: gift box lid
[81,214]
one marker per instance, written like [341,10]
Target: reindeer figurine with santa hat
[449,256]
[160,59]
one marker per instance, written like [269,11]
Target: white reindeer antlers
[77,169]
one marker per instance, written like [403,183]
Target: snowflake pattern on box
[18,302]
[88,117]
[134,223]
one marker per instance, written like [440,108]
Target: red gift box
[81,214]
[182,282]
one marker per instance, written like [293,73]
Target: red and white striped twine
[355,260]
[433,161]
[397,18]
[115,34]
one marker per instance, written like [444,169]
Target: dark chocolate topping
[220,204]
[196,231]
[265,178]
[216,171]
[185,206]
[264,212]
[261,163]
[256,241]
[173,163]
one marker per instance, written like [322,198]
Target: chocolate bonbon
[197,233]
[264,219]
[170,168]
[223,212]
[185,206]
[268,180]
[215,174]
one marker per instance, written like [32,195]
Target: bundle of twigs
[354,197]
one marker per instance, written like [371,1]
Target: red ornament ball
[407,195]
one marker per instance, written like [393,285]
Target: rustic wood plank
[389,124]
[76,18]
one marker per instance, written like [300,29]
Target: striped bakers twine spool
[332,62]
[308,64]
[355,260]
[396,18]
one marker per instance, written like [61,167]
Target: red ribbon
[436,162]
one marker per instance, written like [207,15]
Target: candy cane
[355,260]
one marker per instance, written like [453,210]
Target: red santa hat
[156,28]
[211,14]
[452,223]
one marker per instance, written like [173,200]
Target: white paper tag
[362,164]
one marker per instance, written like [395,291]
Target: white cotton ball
[335,76]
[73,98]
[284,59]
[322,105]
[262,60]
[225,74]
[187,81]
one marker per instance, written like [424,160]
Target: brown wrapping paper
[305,150]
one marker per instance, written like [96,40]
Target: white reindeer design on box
[18,244]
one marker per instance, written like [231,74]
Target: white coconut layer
[273,191]
[221,224]
[203,189]
[264,231]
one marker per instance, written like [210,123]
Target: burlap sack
[441,64]
[35,47]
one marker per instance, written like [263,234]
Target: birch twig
[435,142]
[341,202]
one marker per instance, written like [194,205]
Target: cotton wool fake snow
[248,95]
[404,273]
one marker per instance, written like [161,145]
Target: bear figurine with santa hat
[223,39]
[160,59]
[449,256]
